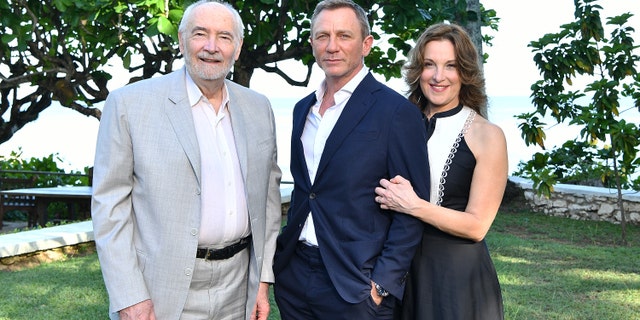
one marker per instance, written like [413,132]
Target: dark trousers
[304,291]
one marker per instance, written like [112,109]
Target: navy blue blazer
[379,134]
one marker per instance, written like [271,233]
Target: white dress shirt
[225,218]
[317,129]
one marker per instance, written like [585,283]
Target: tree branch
[286,77]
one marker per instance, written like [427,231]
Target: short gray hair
[239,25]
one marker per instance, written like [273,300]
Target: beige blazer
[146,191]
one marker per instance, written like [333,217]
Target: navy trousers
[304,291]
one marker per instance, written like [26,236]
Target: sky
[510,71]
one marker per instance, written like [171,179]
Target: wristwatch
[380,290]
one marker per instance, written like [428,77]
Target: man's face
[209,43]
[338,45]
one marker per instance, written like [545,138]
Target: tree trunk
[471,21]
[623,219]
[473,26]
[242,75]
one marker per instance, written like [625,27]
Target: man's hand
[139,311]
[261,309]
[374,294]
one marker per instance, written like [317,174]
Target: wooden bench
[25,204]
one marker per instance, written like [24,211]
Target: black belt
[224,253]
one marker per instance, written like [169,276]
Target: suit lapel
[357,107]
[239,125]
[178,111]
[297,149]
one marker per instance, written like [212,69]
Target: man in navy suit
[341,256]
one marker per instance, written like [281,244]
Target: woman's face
[440,81]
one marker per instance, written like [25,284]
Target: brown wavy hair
[472,91]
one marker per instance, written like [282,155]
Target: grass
[549,268]
[558,268]
[66,289]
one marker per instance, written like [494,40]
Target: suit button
[312,196]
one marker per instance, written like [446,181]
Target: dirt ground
[33,259]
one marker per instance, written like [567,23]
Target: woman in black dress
[452,275]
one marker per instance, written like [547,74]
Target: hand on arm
[487,187]
[398,195]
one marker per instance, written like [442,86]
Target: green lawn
[549,268]
[557,268]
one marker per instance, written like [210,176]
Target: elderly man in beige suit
[186,201]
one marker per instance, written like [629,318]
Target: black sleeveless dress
[451,277]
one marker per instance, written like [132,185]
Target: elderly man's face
[209,44]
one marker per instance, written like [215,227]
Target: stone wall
[582,202]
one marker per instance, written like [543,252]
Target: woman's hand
[397,194]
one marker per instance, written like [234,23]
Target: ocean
[502,111]
[72,136]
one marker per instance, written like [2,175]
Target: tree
[276,36]
[63,50]
[59,51]
[606,150]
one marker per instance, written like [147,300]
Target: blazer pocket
[365,135]
[261,145]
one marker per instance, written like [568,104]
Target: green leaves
[165,26]
[60,48]
[531,129]
[607,67]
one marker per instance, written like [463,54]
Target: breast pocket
[369,135]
